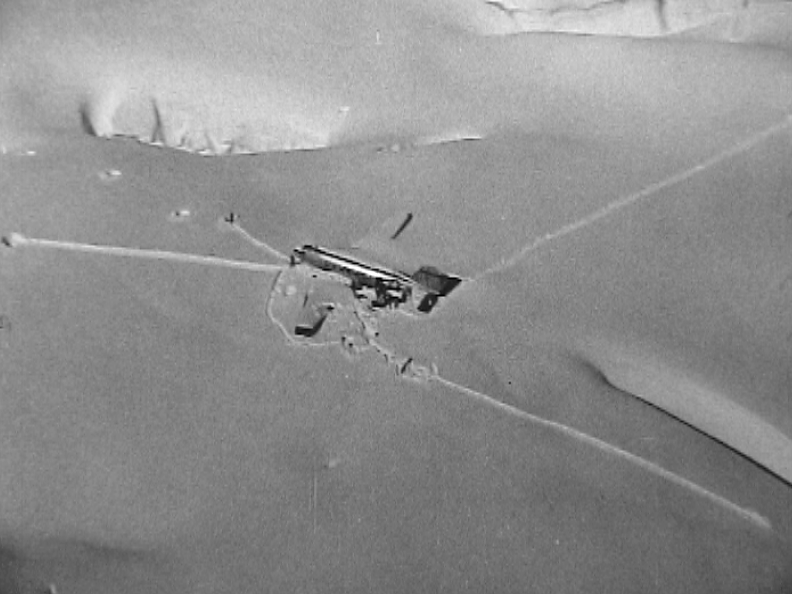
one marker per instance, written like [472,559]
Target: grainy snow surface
[603,404]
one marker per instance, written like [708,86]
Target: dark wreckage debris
[331,297]
[377,286]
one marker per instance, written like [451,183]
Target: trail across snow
[18,240]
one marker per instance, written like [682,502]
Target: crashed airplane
[380,286]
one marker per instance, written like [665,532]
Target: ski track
[646,192]
[749,515]
[257,242]
[16,240]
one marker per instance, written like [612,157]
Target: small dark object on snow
[312,316]
[403,226]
